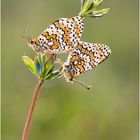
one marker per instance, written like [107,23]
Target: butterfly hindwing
[85,57]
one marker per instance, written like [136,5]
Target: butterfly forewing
[85,57]
[61,36]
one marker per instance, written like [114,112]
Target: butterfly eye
[31,41]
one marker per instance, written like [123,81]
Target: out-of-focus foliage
[109,111]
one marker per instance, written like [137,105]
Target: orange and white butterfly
[61,36]
[85,56]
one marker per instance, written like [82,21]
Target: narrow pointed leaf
[98,13]
[54,74]
[48,66]
[87,5]
[82,2]
[38,68]
[30,64]
[40,61]
[97,3]
[101,12]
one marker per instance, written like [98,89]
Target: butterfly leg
[83,84]
[72,81]
[59,61]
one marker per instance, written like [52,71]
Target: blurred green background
[109,111]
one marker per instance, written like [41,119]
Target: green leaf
[101,12]
[82,2]
[40,60]
[54,74]
[48,67]
[87,5]
[30,64]
[38,67]
[98,13]
[97,3]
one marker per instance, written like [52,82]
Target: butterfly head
[33,43]
[69,73]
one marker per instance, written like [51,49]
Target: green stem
[28,121]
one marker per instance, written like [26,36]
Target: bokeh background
[109,111]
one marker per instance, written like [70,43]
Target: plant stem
[28,121]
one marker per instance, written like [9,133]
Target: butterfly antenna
[28,35]
[23,36]
[83,84]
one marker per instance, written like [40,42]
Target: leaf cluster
[88,8]
[42,66]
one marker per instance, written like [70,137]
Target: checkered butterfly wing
[61,36]
[85,57]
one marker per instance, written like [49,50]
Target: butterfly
[84,57]
[62,36]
